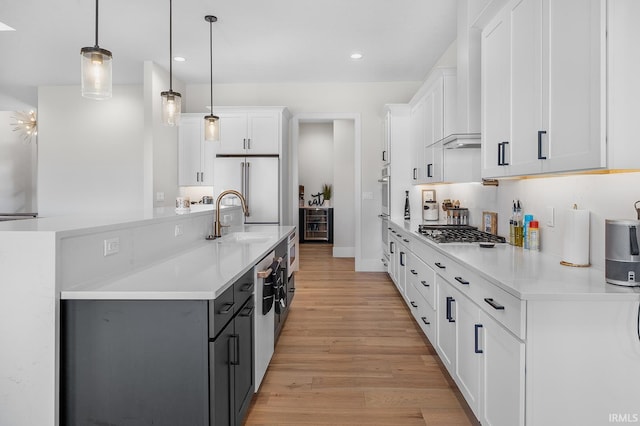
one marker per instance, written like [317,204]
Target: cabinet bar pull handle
[226,309]
[500,154]
[391,247]
[429,167]
[246,312]
[493,304]
[477,327]
[247,288]
[233,349]
[384,155]
[424,320]
[450,300]
[405,240]
[402,258]
[424,283]
[462,280]
[415,173]
[244,143]
[413,271]
[440,265]
[540,133]
[413,304]
[249,143]
[633,241]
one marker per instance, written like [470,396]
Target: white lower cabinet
[502,374]
[446,308]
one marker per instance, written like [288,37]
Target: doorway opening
[325,149]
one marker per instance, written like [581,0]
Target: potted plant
[326,194]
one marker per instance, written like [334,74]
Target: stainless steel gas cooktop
[458,234]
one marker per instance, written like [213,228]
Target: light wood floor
[350,353]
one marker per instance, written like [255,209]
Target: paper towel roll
[576,238]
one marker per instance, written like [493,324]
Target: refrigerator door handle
[246,189]
[243,173]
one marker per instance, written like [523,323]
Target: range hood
[461,140]
[467,134]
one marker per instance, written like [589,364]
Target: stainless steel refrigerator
[255,177]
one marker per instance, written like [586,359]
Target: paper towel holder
[574,265]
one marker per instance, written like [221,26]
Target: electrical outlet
[159,196]
[178,230]
[111,246]
[551,217]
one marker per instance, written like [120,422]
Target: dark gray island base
[158,362]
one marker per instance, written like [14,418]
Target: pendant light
[211,122]
[95,64]
[171,101]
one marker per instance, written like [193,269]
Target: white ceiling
[254,41]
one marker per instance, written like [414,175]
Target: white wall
[160,141]
[315,158]
[366,99]
[344,198]
[90,152]
[17,168]
[606,196]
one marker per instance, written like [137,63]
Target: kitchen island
[135,256]
[527,340]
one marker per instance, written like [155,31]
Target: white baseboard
[370,265]
[344,252]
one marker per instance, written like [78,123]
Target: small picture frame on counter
[490,222]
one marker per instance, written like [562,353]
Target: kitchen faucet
[218,227]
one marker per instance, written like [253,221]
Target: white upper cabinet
[255,132]
[542,88]
[195,155]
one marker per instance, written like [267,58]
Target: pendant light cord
[96,23]
[170,49]
[211,61]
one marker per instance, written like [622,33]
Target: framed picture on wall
[490,222]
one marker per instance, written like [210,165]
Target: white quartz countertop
[77,224]
[203,272]
[530,275]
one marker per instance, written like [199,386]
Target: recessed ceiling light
[356,55]
[179,59]
[5,27]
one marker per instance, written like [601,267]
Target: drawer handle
[247,288]
[493,304]
[413,271]
[477,327]
[247,312]
[413,304]
[462,280]
[440,265]
[450,300]
[402,258]
[234,349]
[424,320]
[226,309]
[424,283]
[405,240]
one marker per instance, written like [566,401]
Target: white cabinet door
[195,155]
[263,133]
[503,379]
[496,96]
[575,61]
[189,151]
[233,133]
[418,118]
[446,323]
[468,352]
[526,86]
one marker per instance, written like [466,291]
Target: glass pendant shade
[211,128]
[171,107]
[96,72]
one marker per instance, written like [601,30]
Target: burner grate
[458,234]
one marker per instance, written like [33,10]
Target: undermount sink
[245,238]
